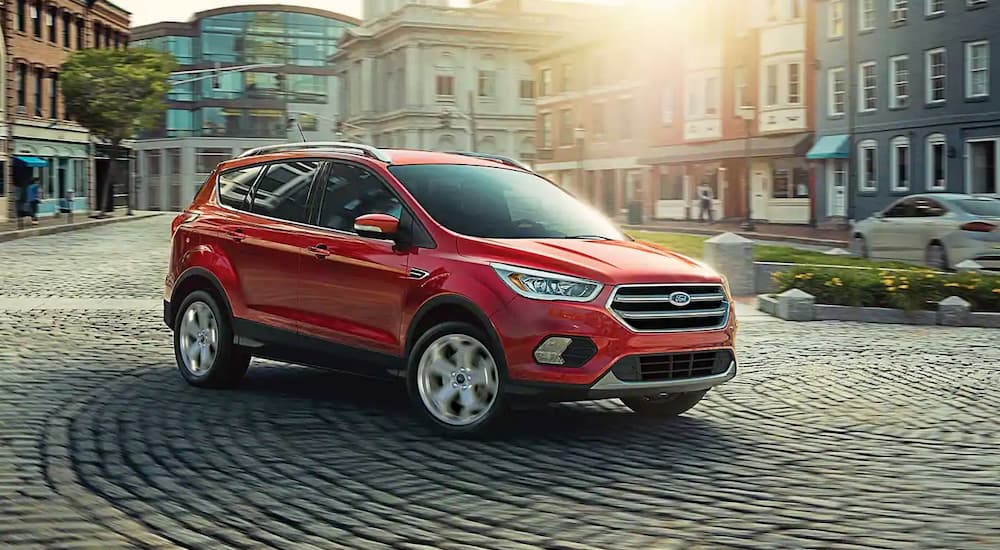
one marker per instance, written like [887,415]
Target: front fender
[205,261]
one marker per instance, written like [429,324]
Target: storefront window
[79,180]
[671,184]
[790,182]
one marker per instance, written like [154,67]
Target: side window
[283,190]
[351,191]
[902,209]
[234,187]
[929,208]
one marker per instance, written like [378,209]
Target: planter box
[796,305]
[768,304]
[984,319]
[824,312]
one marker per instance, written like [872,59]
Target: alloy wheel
[457,379]
[199,338]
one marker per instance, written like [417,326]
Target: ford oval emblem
[679,299]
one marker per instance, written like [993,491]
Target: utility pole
[472,121]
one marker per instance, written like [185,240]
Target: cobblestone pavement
[834,435]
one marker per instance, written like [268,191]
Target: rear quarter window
[234,187]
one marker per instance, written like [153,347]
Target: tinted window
[987,208]
[902,209]
[928,208]
[351,191]
[499,203]
[234,186]
[284,189]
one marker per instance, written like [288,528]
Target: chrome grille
[647,308]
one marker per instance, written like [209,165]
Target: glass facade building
[274,80]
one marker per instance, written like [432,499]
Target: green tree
[116,93]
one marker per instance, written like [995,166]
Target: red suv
[477,281]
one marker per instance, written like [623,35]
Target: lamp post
[748,114]
[579,135]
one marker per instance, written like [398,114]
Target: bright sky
[152,11]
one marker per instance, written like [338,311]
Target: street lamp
[579,134]
[748,114]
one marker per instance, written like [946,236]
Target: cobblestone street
[833,435]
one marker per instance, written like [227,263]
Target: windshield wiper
[589,237]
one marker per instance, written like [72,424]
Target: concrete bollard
[968,265]
[796,304]
[732,256]
[954,311]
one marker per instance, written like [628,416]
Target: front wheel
[456,379]
[666,407]
[936,257]
[203,344]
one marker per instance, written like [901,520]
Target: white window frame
[545,140]
[900,143]
[974,3]
[862,89]
[929,84]
[739,87]
[712,96]
[832,91]
[897,101]
[899,11]
[932,140]
[836,7]
[866,8]
[969,71]
[667,100]
[772,76]
[867,147]
[929,5]
[797,73]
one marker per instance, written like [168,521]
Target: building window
[977,69]
[899,81]
[527,89]
[97,34]
[566,127]
[205,160]
[445,85]
[545,83]
[54,95]
[487,84]
[794,84]
[936,75]
[900,164]
[937,165]
[868,84]
[67,20]
[546,130]
[22,16]
[868,165]
[835,22]
[667,105]
[626,128]
[866,15]
[772,84]
[935,7]
[712,95]
[567,77]
[39,80]
[22,85]
[80,35]
[898,10]
[598,121]
[671,184]
[838,91]
[790,183]
[740,85]
[36,19]
[50,22]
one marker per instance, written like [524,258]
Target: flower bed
[909,290]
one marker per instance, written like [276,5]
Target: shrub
[903,289]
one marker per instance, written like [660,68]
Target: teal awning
[33,162]
[830,147]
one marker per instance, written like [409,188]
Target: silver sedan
[939,230]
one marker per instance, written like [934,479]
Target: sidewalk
[802,234]
[49,225]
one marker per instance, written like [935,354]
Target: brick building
[39,36]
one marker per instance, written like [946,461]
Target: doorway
[982,166]
[836,177]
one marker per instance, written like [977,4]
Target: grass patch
[693,246]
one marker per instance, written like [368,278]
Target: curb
[65,228]
[770,304]
[770,237]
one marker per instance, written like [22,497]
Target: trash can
[635,213]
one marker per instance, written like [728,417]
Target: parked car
[475,280]
[936,229]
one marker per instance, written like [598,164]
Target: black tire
[931,255]
[669,407]
[860,247]
[230,361]
[489,421]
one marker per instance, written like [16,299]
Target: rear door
[886,233]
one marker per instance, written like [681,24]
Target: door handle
[319,250]
[236,234]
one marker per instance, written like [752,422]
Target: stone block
[953,311]
[768,304]
[796,305]
[968,265]
[732,256]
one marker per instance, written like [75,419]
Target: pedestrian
[705,202]
[31,199]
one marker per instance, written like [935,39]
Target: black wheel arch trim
[168,311]
[453,300]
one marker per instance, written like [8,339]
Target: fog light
[551,350]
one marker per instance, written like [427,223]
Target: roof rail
[495,158]
[366,150]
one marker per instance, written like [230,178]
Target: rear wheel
[203,344]
[456,379]
[937,257]
[670,406]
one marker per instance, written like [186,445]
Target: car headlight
[543,285]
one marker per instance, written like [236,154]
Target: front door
[983,166]
[758,195]
[836,177]
[353,287]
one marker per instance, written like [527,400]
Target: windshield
[987,208]
[498,203]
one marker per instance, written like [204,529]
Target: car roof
[399,157]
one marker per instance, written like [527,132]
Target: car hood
[609,262]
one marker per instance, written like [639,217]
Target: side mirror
[377,226]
